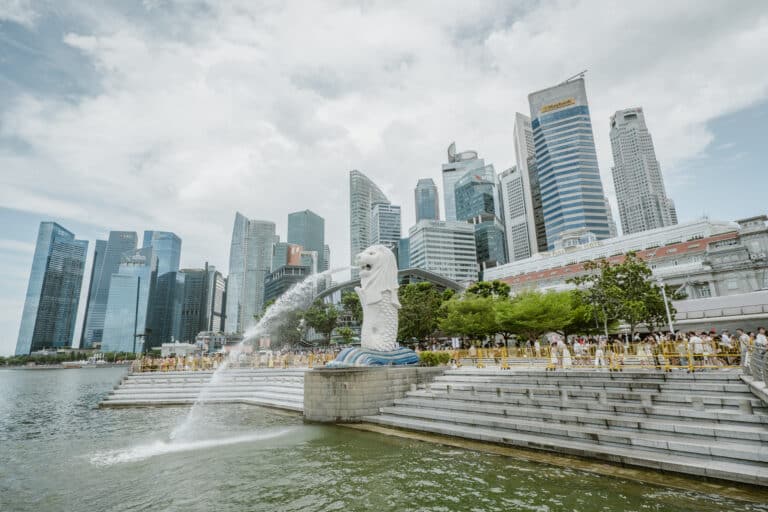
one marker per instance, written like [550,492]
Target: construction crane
[577,75]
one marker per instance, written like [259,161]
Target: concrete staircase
[705,424]
[278,388]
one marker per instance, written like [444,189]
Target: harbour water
[59,452]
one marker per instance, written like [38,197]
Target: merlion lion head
[378,273]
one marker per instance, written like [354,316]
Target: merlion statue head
[378,273]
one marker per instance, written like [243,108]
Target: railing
[756,364]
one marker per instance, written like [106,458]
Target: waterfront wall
[346,395]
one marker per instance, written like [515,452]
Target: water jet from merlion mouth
[297,297]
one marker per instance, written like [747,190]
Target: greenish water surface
[58,452]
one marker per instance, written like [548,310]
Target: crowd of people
[661,350]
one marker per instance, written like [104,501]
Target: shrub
[428,358]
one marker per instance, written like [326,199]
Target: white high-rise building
[515,205]
[446,248]
[643,202]
[250,260]
[385,225]
[458,165]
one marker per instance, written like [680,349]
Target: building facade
[385,225]
[458,165]
[426,200]
[640,193]
[307,229]
[514,208]
[167,301]
[326,258]
[118,244]
[53,290]
[572,192]
[250,260]
[129,305]
[98,261]
[701,259]
[446,248]
[194,305]
[282,279]
[404,253]
[363,195]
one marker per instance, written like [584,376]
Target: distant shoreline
[64,367]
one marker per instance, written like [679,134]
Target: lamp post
[666,306]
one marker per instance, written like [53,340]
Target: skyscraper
[307,229]
[426,200]
[167,248]
[194,304]
[363,194]
[403,254]
[477,203]
[521,197]
[458,165]
[250,260]
[445,248]
[643,201]
[385,225]
[165,316]
[98,261]
[118,244]
[53,291]
[571,190]
[127,320]
[326,258]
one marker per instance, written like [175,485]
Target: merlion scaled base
[378,297]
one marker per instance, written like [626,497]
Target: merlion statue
[378,297]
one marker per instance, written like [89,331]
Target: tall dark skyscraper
[118,244]
[426,200]
[307,229]
[53,292]
[572,193]
[98,261]
[165,315]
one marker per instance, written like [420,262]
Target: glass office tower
[118,244]
[426,200]
[166,310]
[126,324]
[363,195]
[53,291]
[459,164]
[307,229]
[385,225]
[250,260]
[571,189]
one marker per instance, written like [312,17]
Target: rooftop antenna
[574,77]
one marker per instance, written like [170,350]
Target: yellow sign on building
[558,105]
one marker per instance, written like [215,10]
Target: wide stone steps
[633,456]
[283,389]
[619,422]
[704,423]
[721,399]
[615,407]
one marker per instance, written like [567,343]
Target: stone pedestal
[345,395]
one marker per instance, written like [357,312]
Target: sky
[173,115]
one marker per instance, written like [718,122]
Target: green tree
[469,316]
[322,317]
[350,303]
[533,313]
[494,288]
[346,333]
[419,311]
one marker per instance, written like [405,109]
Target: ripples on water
[58,452]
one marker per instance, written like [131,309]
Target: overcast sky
[173,115]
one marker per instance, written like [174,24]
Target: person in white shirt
[760,339]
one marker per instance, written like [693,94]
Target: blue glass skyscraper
[307,229]
[126,323]
[165,317]
[53,292]
[426,200]
[571,190]
[118,244]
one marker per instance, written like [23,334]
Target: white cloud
[18,11]
[265,108]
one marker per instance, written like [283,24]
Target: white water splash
[146,451]
[298,296]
